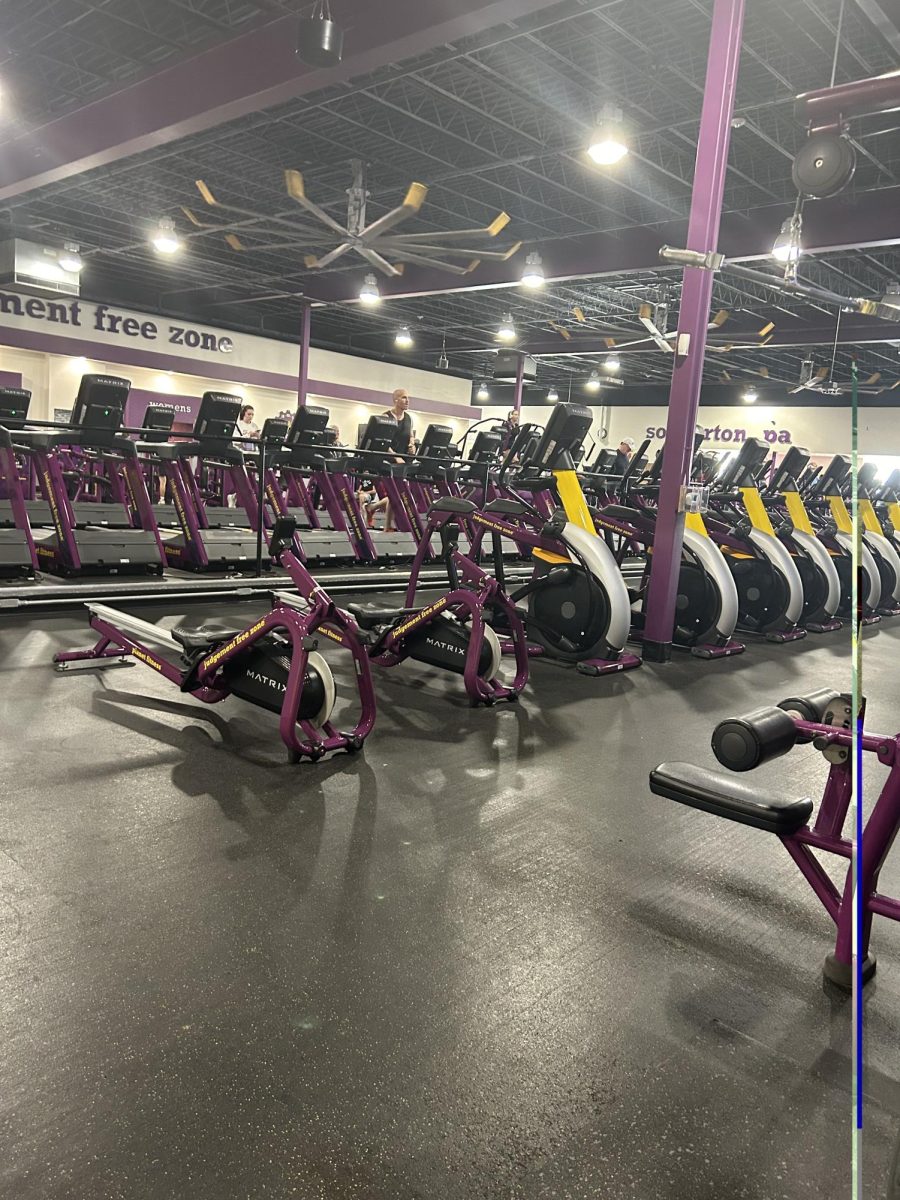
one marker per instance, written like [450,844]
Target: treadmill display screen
[217,417]
[14,404]
[308,426]
[100,403]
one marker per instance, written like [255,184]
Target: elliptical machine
[770,591]
[578,608]
[818,573]
[706,605]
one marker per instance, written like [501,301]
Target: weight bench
[724,796]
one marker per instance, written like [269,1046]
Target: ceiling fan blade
[767,328]
[234,241]
[412,202]
[719,319]
[378,262]
[822,373]
[294,183]
[561,330]
[726,377]
[763,371]
[645,316]
[396,245]
[496,226]
[332,256]
[872,379]
[423,260]
[578,313]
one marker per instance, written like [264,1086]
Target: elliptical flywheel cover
[824,165]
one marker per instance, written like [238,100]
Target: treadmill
[18,557]
[81,539]
[211,538]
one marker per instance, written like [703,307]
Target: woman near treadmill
[401,445]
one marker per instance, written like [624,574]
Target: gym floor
[480,960]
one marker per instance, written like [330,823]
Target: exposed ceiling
[494,122]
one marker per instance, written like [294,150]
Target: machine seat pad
[622,512]
[208,636]
[724,796]
[504,507]
[370,616]
[453,504]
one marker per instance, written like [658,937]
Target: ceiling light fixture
[443,362]
[165,240]
[612,362]
[507,331]
[369,293]
[891,295]
[593,383]
[787,247]
[533,275]
[69,258]
[403,338]
[553,395]
[483,393]
[751,395]
[608,144]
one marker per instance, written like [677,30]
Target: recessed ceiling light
[593,383]
[608,144]
[403,338]
[369,293]
[507,330]
[533,275]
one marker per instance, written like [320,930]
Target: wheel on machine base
[570,619]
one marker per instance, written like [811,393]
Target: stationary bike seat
[453,504]
[370,616]
[208,636]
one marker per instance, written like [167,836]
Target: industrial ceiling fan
[376,241]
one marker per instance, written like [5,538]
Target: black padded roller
[742,743]
[813,706]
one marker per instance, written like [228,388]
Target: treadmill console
[378,434]
[100,403]
[436,442]
[14,404]
[308,426]
[867,477]
[217,418]
[566,430]
[274,430]
[158,422]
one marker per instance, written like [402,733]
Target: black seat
[453,504]
[206,637]
[622,512]
[724,796]
[370,616]
[509,508]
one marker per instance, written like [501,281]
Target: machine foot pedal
[707,651]
[786,635]
[608,666]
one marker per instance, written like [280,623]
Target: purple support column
[303,376]
[684,396]
[520,380]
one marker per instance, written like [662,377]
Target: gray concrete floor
[478,961]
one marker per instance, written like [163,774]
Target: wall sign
[101,318]
[727,433]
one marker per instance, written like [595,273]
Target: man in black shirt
[623,456]
[401,444]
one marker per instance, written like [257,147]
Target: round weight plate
[824,165]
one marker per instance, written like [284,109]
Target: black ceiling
[497,122]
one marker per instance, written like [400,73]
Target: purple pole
[303,376]
[520,379]
[693,317]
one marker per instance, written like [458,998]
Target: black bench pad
[370,616]
[453,504]
[734,799]
[206,637]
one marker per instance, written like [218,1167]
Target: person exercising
[624,452]
[402,443]
[509,428]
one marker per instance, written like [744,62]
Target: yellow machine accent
[894,514]
[568,488]
[839,514]
[756,510]
[695,521]
[870,521]
[797,512]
